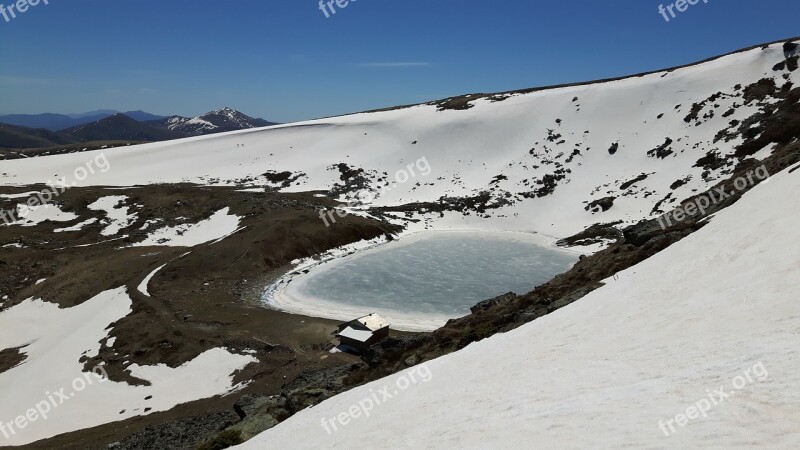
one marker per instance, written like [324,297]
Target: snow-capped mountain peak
[220,120]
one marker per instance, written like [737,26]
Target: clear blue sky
[283,60]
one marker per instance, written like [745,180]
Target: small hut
[362,332]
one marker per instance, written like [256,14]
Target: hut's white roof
[358,335]
[373,322]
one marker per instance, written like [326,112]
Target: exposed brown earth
[10,358]
[206,299]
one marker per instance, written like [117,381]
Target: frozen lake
[422,280]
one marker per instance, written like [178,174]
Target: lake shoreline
[284,295]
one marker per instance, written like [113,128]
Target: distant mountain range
[56,122]
[119,127]
[21,131]
[12,136]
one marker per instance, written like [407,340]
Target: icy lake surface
[426,277]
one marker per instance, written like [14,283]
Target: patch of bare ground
[206,299]
[10,358]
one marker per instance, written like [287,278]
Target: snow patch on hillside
[143,285]
[118,216]
[54,341]
[219,225]
[29,216]
[77,226]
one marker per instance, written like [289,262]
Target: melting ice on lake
[422,280]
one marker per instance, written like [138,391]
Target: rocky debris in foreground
[251,415]
[187,433]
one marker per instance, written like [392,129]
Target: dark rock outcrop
[499,300]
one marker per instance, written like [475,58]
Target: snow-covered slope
[587,142]
[53,382]
[629,365]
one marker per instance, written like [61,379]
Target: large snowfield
[617,368]
[519,138]
[614,369]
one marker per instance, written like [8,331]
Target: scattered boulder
[187,433]
[596,233]
[499,300]
[412,360]
[790,49]
[662,151]
[630,183]
[603,204]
